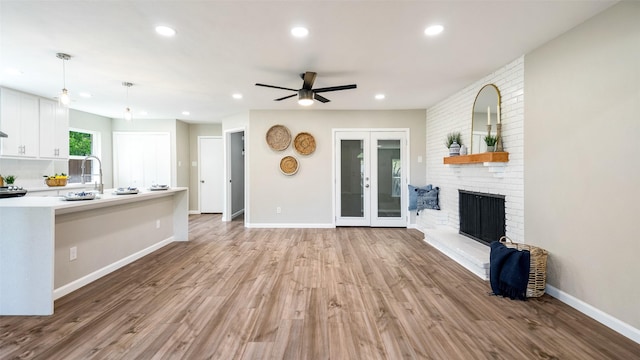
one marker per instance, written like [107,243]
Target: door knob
[366,186]
[202,181]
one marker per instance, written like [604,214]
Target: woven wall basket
[304,143]
[278,137]
[537,267]
[289,165]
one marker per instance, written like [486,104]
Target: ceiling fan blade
[276,87]
[286,97]
[335,88]
[309,78]
[322,99]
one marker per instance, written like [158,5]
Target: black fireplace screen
[481,216]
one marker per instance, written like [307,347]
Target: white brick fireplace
[455,114]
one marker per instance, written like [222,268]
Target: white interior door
[371,178]
[211,174]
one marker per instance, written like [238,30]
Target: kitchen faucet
[99,187]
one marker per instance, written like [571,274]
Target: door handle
[202,181]
[366,186]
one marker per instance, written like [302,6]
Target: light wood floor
[346,293]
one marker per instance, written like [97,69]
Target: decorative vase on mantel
[463,150]
[454,149]
[491,148]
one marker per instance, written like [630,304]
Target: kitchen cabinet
[54,130]
[19,118]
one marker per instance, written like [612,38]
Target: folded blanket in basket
[509,271]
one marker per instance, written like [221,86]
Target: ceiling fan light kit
[305,97]
[307,93]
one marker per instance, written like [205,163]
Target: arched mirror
[485,112]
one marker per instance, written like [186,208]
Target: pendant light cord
[64,75]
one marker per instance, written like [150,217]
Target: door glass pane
[389,178]
[352,173]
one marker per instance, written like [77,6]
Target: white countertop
[70,187]
[61,206]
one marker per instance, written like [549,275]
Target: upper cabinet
[19,119]
[37,128]
[54,130]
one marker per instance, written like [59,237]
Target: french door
[371,178]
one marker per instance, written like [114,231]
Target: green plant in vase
[453,143]
[491,142]
[10,179]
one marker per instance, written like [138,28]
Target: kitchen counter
[50,247]
[62,206]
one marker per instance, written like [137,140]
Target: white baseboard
[291,226]
[194,212]
[596,314]
[77,284]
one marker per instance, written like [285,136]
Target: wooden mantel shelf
[478,158]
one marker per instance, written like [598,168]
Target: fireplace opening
[482,216]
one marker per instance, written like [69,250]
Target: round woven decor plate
[278,137]
[304,143]
[289,165]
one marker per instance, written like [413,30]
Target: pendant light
[64,98]
[127,112]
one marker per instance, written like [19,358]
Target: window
[81,144]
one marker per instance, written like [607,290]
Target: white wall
[182,154]
[455,114]
[306,198]
[87,121]
[582,176]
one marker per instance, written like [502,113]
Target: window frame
[96,142]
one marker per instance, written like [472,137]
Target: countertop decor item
[278,137]
[289,165]
[79,196]
[304,143]
[10,179]
[125,191]
[56,180]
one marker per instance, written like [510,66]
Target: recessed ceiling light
[85,95]
[165,31]
[299,31]
[379,96]
[237,96]
[433,30]
[186,113]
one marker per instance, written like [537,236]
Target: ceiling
[225,47]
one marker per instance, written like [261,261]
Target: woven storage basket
[537,269]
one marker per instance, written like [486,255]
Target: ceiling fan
[307,93]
